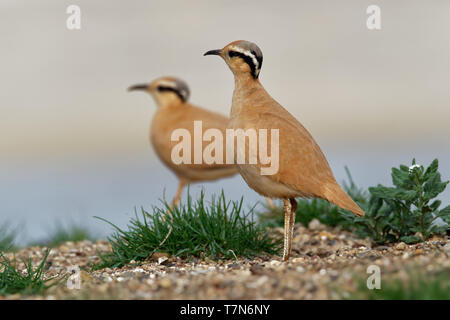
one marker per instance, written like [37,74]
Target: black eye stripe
[248,60]
[170,89]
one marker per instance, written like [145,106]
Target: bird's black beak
[138,87]
[213,53]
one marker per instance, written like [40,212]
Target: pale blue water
[74,192]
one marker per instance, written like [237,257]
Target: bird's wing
[302,164]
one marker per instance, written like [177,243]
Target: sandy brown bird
[303,169]
[174,112]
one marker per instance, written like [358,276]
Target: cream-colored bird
[174,112]
[303,170]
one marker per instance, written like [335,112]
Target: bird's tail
[334,194]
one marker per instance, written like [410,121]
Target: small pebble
[275,263]
[300,269]
[165,283]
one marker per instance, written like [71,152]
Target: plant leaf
[401,178]
[432,168]
[433,186]
[410,239]
[445,214]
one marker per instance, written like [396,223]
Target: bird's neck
[245,86]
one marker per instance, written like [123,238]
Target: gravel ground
[325,264]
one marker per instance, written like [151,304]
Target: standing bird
[174,112]
[303,169]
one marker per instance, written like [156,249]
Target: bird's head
[243,57]
[165,91]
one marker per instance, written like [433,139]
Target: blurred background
[74,143]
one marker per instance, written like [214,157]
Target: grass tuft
[217,230]
[417,287]
[307,210]
[61,234]
[30,282]
[7,237]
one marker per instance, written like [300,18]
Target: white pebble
[275,263]
[162,259]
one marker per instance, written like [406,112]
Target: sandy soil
[326,264]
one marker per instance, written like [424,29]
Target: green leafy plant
[217,230]
[29,282]
[407,211]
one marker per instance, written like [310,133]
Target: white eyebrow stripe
[169,84]
[184,92]
[248,54]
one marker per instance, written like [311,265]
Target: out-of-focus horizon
[74,142]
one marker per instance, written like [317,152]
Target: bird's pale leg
[292,221]
[287,229]
[270,203]
[176,199]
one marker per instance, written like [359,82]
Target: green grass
[60,234]
[308,209]
[7,237]
[417,287]
[216,230]
[30,282]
